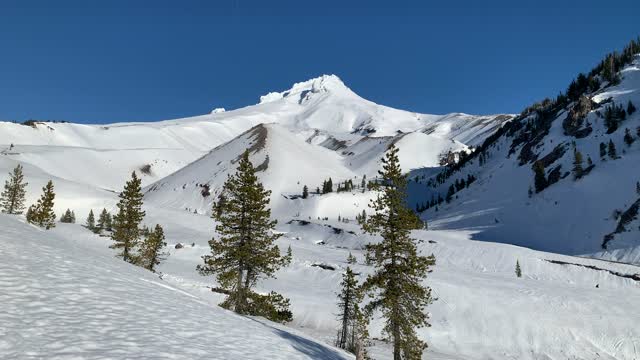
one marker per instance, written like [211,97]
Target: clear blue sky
[109,61]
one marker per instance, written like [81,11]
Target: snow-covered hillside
[65,296]
[569,216]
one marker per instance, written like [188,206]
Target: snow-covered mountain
[562,307]
[593,215]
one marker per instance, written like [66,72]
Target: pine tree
[104,221]
[363,184]
[68,217]
[577,165]
[91,222]
[12,198]
[41,213]
[126,223]
[245,249]
[638,187]
[628,138]
[305,192]
[612,150]
[351,259]
[349,313]
[603,150]
[518,269]
[630,108]
[540,180]
[396,285]
[151,253]
[30,214]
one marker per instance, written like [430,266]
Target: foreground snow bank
[62,300]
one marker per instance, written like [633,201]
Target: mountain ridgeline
[562,176]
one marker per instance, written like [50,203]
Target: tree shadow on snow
[312,349]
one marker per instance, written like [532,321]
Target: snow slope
[71,299]
[571,217]
[483,310]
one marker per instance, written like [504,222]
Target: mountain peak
[299,91]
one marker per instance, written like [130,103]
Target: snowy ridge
[571,217]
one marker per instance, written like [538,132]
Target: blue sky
[110,61]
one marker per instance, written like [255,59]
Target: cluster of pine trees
[245,249]
[395,289]
[104,223]
[136,244]
[614,115]
[68,217]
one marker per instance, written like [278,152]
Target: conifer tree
[638,187]
[68,217]
[603,150]
[41,213]
[30,214]
[351,259]
[349,313]
[91,222]
[245,249]
[628,138]
[126,223]
[630,108]
[305,192]
[104,221]
[396,286]
[577,165]
[540,180]
[518,269]
[151,253]
[612,150]
[12,198]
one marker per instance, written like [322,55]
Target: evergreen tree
[577,164]
[603,150]
[628,138]
[245,249]
[104,221]
[638,187]
[41,213]
[630,108]
[329,185]
[351,259]
[349,312]
[450,193]
[518,269]
[219,205]
[91,222]
[126,223]
[612,150]
[305,192]
[363,184]
[540,180]
[68,217]
[151,253]
[396,285]
[30,214]
[12,198]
